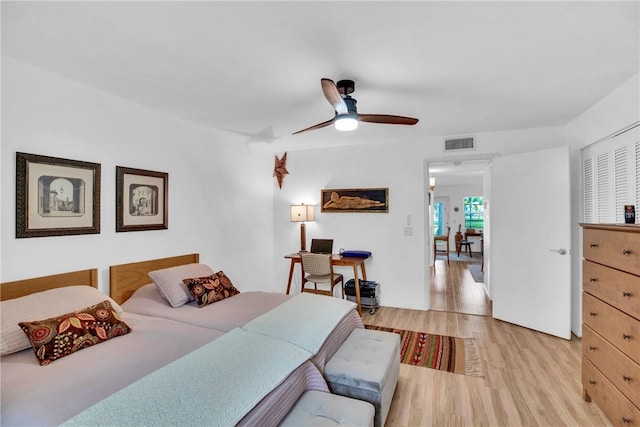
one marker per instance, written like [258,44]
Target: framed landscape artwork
[355,200]
[141,200]
[56,197]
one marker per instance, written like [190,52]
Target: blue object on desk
[355,254]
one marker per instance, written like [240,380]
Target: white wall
[399,262]
[380,233]
[220,193]
[616,111]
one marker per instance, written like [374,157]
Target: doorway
[457,284]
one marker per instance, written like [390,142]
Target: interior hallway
[453,288]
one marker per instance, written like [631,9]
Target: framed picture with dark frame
[56,197]
[355,200]
[142,200]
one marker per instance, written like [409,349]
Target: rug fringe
[472,361]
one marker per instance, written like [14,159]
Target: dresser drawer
[620,411]
[621,330]
[623,372]
[615,287]
[616,248]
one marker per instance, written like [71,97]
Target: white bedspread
[222,381]
[315,317]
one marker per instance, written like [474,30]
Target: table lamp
[302,213]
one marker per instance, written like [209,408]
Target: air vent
[463,143]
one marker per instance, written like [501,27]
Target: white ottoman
[366,367]
[318,408]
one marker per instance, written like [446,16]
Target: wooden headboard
[20,288]
[124,279]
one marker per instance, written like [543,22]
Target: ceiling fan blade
[387,119]
[330,91]
[318,126]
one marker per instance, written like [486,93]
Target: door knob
[561,251]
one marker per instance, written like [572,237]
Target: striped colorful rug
[441,352]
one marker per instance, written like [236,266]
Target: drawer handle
[593,245]
[626,252]
[592,348]
[626,420]
[592,314]
[626,294]
[626,378]
[626,336]
[593,279]
[592,382]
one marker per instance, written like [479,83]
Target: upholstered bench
[318,408]
[366,367]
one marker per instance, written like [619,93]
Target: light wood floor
[530,379]
[453,289]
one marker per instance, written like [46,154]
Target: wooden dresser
[611,321]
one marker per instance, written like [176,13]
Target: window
[474,212]
[438,218]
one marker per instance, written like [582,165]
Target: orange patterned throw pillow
[207,290]
[63,335]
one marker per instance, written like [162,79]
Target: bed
[74,387]
[131,286]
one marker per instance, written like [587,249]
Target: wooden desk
[335,260]
[473,233]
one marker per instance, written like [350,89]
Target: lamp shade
[302,213]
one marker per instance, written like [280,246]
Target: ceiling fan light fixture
[346,123]
[346,114]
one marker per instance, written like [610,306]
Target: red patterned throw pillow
[61,336]
[207,290]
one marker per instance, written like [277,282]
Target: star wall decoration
[280,169]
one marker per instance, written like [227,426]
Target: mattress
[233,312]
[224,315]
[34,395]
[277,404]
[209,386]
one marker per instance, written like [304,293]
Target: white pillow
[169,281]
[43,305]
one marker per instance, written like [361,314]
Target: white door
[530,240]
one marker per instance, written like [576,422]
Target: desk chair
[441,238]
[317,268]
[464,246]
[466,243]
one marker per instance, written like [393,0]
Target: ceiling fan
[347,116]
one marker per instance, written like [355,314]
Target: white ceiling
[254,68]
[459,172]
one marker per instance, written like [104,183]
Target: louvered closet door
[637,165]
[603,188]
[622,181]
[589,192]
[611,178]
